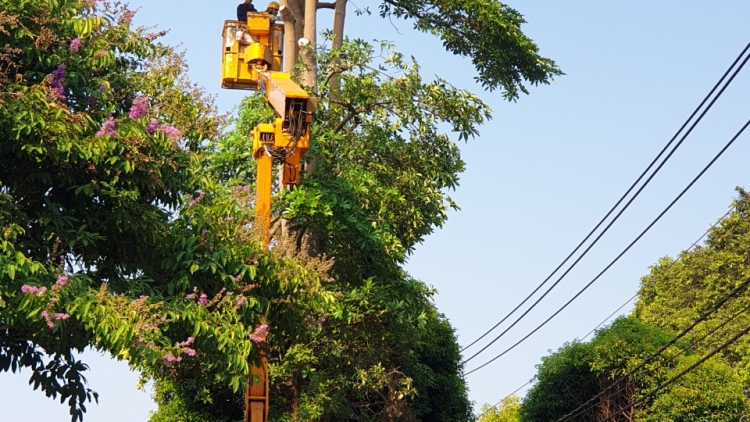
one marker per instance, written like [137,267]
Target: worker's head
[273,8]
[248,1]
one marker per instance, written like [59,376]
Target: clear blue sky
[541,174]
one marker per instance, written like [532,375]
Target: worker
[243,9]
[273,8]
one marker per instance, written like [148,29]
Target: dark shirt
[242,10]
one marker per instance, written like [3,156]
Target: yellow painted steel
[252,56]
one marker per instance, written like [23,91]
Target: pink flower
[190,352]
[240,301]
[261,329]
[197,200]
[255,339]
[45,314]
[58,77]
[187,342]
[203,299]
[151,126]
[139,108]
[170,358]
[170,131]
[108,128]
[62,316]
[50,324]
[62,281]
[75,45]
[190,296]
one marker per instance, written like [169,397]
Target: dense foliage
[593,381]
[677,290]
[127,220]
[109,236]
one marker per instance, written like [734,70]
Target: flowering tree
[109,236]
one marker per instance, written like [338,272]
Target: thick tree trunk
[339,17]
[310,72]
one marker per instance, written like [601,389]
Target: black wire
[664,348]
[630,189]
[617,258]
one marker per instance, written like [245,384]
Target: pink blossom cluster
[197,200]
[62,281]
[183,348]
[108,128]
[240,301]
[51,318]
[170,131]
[171,358]
[259,335]
[33,290]
[139,108]
[151,127]
[75,45]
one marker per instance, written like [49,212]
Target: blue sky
[541,174]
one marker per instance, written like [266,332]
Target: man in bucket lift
[243,9]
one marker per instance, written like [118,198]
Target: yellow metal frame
[252,59]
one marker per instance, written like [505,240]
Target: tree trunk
[307,54]
[339,17]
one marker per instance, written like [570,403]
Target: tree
[127,218]
[677,291]
[601,370]
[508,410]
[382,168]
[487,32]
[109,235]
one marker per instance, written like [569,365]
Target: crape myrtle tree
[110,236]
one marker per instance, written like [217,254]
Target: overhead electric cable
[617,258]
[629,190]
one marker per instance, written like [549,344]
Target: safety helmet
[273,8]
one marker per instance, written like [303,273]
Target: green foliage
[676,292]
[508,410]
[102,241]
[127,221]
[487,32]
[578,372]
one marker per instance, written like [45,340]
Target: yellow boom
[251,59]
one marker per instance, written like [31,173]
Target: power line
[630,189]
[617,258]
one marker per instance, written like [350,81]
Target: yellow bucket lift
[251,59]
